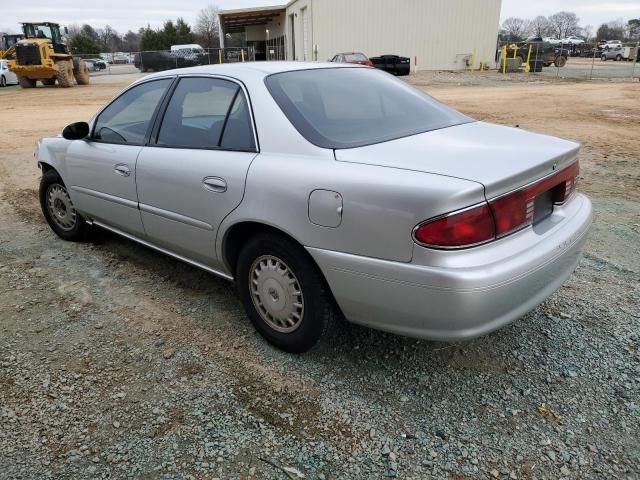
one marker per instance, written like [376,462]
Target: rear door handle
[122,170]
[215,184]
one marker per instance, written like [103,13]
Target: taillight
[500,216]
[515,210]
[468,227]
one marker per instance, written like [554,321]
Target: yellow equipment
[43,55]
[8,44]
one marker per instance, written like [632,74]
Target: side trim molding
[226,276]
[176,217]
[105,196]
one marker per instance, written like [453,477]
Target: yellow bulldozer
[42,55]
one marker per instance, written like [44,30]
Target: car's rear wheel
[58,208]
[560,61]
[284,293]
[618,58]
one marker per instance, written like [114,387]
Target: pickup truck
[546,52]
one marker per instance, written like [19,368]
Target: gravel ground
[118,362]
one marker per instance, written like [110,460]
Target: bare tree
[515,29]
[587,32]
[540,27]
[563,24]
[207,28]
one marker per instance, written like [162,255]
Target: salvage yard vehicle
[44,56]
[7,77]
[352,57]
[617,53]
[392,64]
[540,50]
[325,190]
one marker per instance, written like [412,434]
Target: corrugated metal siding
[438,32]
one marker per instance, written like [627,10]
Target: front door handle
[122,170]
[215,184]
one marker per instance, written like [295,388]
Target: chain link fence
[159,60]
[577,61]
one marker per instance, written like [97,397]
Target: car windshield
[352,107]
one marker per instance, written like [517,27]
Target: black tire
[76,229]
[521,59]
[618,58]
[81,72]
[318,312]
[25,82]
[49,82]
[3,81]
[64,75]
[560,61]
[603,58]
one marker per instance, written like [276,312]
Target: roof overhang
[233,21]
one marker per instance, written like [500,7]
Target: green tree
[183,32]
[82,44]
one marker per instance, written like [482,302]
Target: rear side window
[126,120]
[207,113]
[352,107]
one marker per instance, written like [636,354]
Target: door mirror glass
[76,131]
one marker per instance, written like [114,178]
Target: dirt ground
[116,361]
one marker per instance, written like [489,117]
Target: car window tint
[196,113]
[238,132]
[351,107]
[127,119]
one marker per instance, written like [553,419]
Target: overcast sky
[127,14]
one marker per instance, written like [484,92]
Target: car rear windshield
[353,107]
[355,57]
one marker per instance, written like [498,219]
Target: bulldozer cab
[46,30]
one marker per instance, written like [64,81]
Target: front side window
[352,107]
[207,113]
[127,119]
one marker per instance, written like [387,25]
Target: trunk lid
[500,158]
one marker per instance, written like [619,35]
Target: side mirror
[76,131]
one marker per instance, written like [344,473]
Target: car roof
[249,69]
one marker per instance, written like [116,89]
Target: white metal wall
[439,33]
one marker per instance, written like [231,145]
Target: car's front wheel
[3,81]
[58,208]
[284,293]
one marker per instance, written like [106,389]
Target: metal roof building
[435,34]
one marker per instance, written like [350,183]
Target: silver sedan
[326,192]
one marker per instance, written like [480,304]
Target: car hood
[500,158]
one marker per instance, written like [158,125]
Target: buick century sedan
[326,191]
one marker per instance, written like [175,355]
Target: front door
[101,170]
[192,175]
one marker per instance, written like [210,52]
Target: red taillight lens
[500,216]
[469,227]
[515,210]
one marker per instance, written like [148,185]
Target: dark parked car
[393,64]
[353,57]
[546,52]
[165,60]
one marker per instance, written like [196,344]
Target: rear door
[192,175]
[101,169]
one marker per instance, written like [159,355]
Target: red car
[353,57]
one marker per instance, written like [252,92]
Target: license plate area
[543,206]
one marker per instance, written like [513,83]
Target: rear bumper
[467,293]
